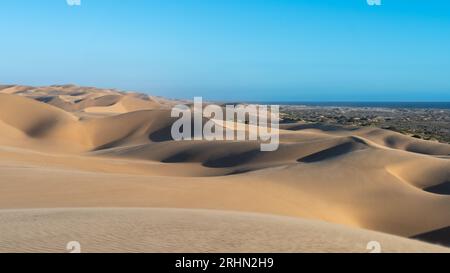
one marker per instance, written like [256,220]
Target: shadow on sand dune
[232,160]
[165,134]
[439,236]
[443,188]
[228,161]
[354,145]
[162,135]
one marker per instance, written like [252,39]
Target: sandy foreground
[184,230]
[99,167]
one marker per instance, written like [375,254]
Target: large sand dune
[181,230]
[73,147]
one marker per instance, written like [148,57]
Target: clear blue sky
[265,50]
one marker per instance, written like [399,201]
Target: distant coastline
[408,105]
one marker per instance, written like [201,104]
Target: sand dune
[176,230]
[74,147]
[31,117]
[126,104]
[402,142]
[76,99]
[44,122]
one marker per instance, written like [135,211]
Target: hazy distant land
[428,121]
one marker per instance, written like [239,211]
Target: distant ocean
[412,105]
